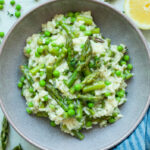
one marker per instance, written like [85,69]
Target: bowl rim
[123,16]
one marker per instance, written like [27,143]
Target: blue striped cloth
[140,138]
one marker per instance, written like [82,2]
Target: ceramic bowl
[37,131]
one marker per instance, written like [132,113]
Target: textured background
[5,24]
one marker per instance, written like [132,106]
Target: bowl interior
[38,130]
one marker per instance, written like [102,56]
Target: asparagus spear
[86,71]
[66,28]
[87,80]
[4,133]
[87,21]
[90,98]
[91,77]
[86,51]
[96,39]
[75,74]
[79,111]
[18,147]
[60,58]
[37,68]
[42,114]
[54,93]
[78,134]
[25,71]
[49,71]
[69,46]
[84,60]
[94,87]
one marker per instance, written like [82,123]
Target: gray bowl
[37,130]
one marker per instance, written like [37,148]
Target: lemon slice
[139,12]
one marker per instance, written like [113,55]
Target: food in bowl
[74,76]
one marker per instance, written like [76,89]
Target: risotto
[74,76]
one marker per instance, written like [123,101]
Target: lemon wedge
[139,12]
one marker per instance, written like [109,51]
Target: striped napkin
[140,138]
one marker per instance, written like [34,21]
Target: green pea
[47,41]
[30,104]
[82,28]
[129,66]
[45,98]
[47,33]
[88,33]
[71,106]
[40,41]
[77,14]
[121,93]
[41,73]
[1,6]
[78,87]
[18,7]
[53,124]
[40,50]
[70,14]
[42,83]
[17,14]
[90,105]
[118,73]
[82,46]
[28,50]
[2,2]
[96,31]
[28,110]
[31,90]
[111,120]
[123,76]
[51,106]
[54,44]
[22,79]
[102,54]
[118,99]
[20,84]
[29,41]
[120,48]
[12,2]
[115,114]
[73,19]
[88,124]
[126,57]
[107,82]
[107,94]
[37,54]
[71,112]
[2,34]
[61,45]
[56,73]
[128,76]
[123,62]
